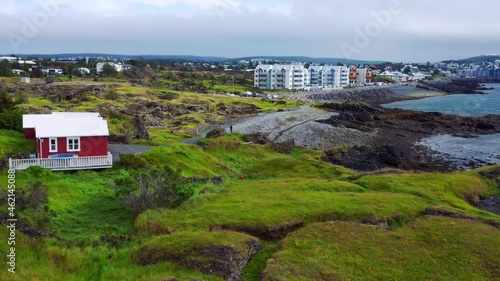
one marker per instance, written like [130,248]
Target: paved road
[117,149]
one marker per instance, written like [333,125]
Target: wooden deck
[64,164]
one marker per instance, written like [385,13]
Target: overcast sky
[395,30]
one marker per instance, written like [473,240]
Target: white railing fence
[64,164]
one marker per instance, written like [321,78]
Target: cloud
[256,27]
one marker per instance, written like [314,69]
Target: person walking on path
[231,128]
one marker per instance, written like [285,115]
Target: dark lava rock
[237,108]
[140,131]
[350,106]
[218,181]
[453,86]
[168,96]
[215,259]
[273,233]
[216,133]
[284,147]
[365,158]
[491,204]
[137,73]
[430,211]
[258,138]
[4,162]
[485,126]
[364,95]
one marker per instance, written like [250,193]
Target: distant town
[269,74]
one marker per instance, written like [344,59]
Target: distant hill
[490,58]
[312,60]
[115,56]
[189,58]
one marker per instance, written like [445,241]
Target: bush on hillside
[33,201]
[133,162]
[11,117]
[38,172]
[112,94]
[141,190]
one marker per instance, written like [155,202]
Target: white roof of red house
[66,124]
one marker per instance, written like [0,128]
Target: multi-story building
[328,76]
[490,72]
[297,77]
[279,77]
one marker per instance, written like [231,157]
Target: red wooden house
[66,141]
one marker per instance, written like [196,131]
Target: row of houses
[490,72]
[297,77]
[400,77]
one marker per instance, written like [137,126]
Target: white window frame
[50,145]
[73,139]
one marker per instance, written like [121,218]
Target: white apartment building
[279,77]
[328,76]
[362,76]
[118,66]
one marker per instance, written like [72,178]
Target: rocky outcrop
[366,95]
[270,233]
[454,86]
[284,147]
[214,258]
[4,162]
[395,133]
[138,73]
[139,131]
[257,138]
[491,204]
[237,108]
[216,133]
[365,158]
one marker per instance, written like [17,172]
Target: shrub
[141,190]
[11,120]
[38,172]
[112,94]
[133,162]
[49,80]
[34,200]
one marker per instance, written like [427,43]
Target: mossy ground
[262,190]
[278,190]
[430,248]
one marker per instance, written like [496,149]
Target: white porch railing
[64,164]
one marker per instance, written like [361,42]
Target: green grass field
[430,248]
[313,220]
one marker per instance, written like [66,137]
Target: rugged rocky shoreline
[395,133]
[392,133]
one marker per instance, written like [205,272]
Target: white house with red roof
[66,141]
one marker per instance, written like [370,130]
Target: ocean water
[484,150]
[461,104]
